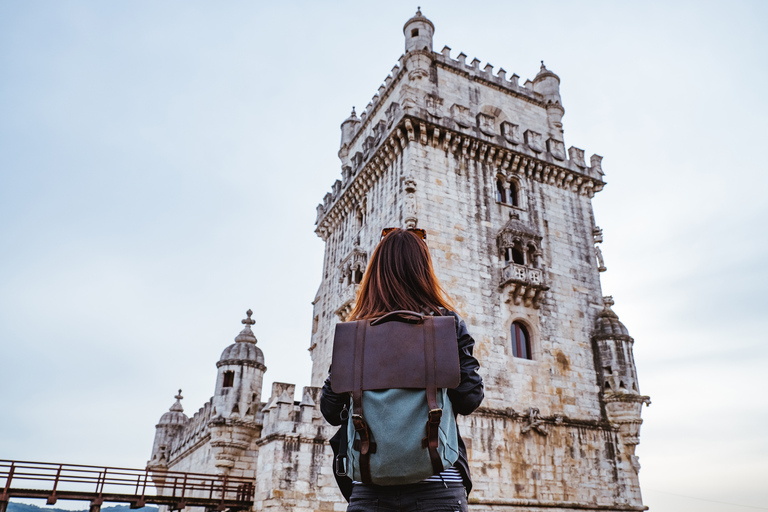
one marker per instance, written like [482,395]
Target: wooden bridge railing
[137,487]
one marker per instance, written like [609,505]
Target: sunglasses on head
[421,233]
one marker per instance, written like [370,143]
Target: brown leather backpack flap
[394,354]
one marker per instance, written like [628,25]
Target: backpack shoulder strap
[361,427]
[435,413]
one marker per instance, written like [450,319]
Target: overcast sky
[160,164]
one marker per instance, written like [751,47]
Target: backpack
[397,368]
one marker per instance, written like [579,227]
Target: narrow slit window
[229,379]
[521,342]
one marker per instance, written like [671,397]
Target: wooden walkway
[137,487]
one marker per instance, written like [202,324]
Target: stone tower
[170,425]
[237,398]
[479,161]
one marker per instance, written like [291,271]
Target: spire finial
[418,11]
[353,114]
[178,397]
[249,320]
[543,67]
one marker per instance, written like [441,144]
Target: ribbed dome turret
[175,415]
[244,350]
[418,17]
[544,73]
[607,324]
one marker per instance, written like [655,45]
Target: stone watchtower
[479,161]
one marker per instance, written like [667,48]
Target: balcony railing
[521,273]
[525,285]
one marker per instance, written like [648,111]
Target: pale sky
[160,164]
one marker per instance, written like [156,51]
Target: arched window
[521,342]
[514,200]
[517,256]
[501,191]
[357,276]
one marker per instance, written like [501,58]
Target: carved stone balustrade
[523,284]
[346,301]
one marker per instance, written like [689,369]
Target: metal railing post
[52,498]
[8,481]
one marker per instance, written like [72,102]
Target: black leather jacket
[465,399]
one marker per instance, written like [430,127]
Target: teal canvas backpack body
[397,370]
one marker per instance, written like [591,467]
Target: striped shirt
[449,475]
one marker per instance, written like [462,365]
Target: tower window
[517,256]
[358,276]
[229,379]
[513,194]
[521,342]
[414,32]
[501,192]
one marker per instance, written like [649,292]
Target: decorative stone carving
[511,133]
[556,148]
[597,235]
[486,124]
[534,423]
[576,156]
[533,140]
[411,220]
[461,115]
[392,113]
[434,106]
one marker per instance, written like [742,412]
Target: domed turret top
[244,350]
[175,415]
[418,17]
[607,323]
[544,73]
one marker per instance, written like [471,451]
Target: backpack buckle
[435,415]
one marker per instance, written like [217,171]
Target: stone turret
[170,425]
[547,84]
[348,129]
[623,401]
[237,398]
[418,33]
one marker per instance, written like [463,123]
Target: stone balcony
[346,301]
[523,285]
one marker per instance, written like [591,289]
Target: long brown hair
[399,276]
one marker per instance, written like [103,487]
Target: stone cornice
[562,505]
[554,420]
[492,151]
[277,436]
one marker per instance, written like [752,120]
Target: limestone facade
[479,161]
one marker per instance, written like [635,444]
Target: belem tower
[479,161]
